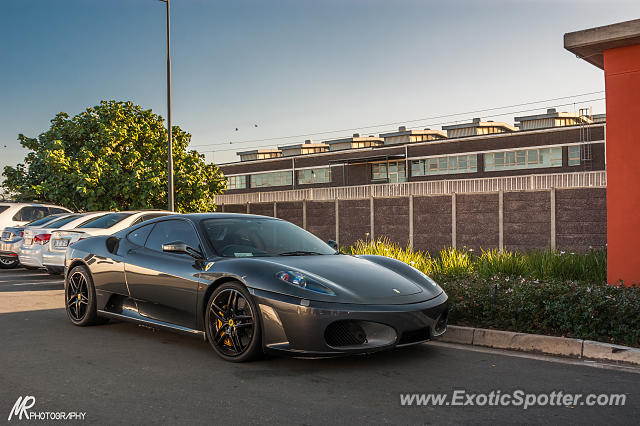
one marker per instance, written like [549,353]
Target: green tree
[112,157]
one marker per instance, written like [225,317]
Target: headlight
[300,280]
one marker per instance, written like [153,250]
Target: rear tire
[8,263]
[232,323]
[80,297]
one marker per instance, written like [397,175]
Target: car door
[164,285]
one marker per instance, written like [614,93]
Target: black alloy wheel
[232,323]
[80,297]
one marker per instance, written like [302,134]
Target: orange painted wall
[622,81]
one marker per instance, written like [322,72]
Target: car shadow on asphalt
[123,336]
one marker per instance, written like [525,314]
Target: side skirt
[137,318]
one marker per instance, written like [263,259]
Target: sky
[295,67]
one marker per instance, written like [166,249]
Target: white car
[11,239]
[34,240]
[53,258]
[19,214]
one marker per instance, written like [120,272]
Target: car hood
[352,279]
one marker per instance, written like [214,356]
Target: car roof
[221,215]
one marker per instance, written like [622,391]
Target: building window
[396,173]
[262,180]
[309,176]
[574,155]
[523,159]
[236,182]
[450,164]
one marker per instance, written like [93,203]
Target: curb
[551,345]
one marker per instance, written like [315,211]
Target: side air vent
[112,244]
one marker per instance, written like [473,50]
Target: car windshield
[106,221]
[43,220]
[63,221]
[262,237]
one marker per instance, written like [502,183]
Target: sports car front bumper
[303,327]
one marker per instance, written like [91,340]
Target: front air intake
[345,333]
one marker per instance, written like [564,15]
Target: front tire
[232,323]
[80,297]
[8,263]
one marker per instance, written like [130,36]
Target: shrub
[565,308]
[545,292]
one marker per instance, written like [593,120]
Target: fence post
[337,224]
[453,221]
[411,221]
[501,220]
[371,215]
[552,195]
[304,213]
[248,209]
[275,209]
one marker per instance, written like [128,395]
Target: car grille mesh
[345,333]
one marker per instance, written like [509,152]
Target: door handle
[131,251]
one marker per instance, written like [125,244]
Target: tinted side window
[63,221]
[170,231]
[139,236]
[56,210]
[106,221]
[30,213]
[146,217]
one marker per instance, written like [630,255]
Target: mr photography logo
[21,411]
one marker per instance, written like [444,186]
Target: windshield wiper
[299,253]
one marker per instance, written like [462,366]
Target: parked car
[35,239]
[251,284]
[11,240]
[54,256]
[19,214]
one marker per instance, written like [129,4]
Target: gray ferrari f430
[249,285]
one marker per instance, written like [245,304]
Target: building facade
[494,187]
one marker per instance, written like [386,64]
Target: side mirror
[333,244]
[181,248]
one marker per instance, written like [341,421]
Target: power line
[450,122]
[399,122]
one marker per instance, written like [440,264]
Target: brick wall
[581,218]
[477,221]
[432,223]
[355,220]
[527,220]
[264,209]
[321,219]
[290,211]
[391,219]
[233,208]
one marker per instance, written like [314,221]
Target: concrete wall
[578,216]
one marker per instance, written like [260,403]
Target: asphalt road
[122,373]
